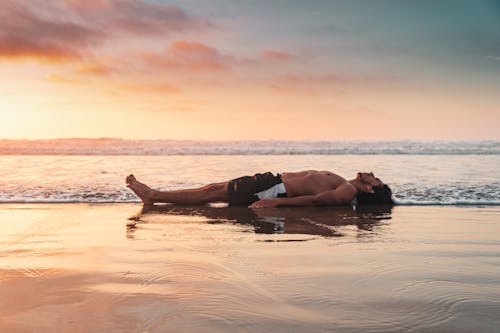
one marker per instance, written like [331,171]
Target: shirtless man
[304,188]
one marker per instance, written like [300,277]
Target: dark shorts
[242,191]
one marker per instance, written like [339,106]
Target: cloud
[88,4]
[70,29]
[308,84]
[95,68]
[24,33]
[150,88]
[189,55]
[137,16]
[272,55]
[333,83]
[169,109]
[59,79]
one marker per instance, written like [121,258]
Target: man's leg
[210,193]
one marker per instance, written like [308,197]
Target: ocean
[93,170]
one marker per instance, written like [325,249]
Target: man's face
[368,178]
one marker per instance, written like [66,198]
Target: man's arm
[342,195]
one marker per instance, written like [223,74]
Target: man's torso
[310,182]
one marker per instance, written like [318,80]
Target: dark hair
[381,195]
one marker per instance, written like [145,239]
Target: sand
[115,268]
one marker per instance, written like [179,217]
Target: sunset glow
[320,70]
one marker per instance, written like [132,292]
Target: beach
[305,111]
[117,268]
[80,254]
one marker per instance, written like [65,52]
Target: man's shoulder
[343,194]
[347,188]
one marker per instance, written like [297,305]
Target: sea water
[82,170]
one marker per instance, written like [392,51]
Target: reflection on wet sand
[321,221]
[69,268]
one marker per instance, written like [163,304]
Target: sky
[260,70]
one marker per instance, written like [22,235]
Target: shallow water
[115,268]
[414,179]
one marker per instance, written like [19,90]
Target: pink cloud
[88,4]
[189,55]
[61,30]
[306,84]
[271,55]
[136,16]
[23,33]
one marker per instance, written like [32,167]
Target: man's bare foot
[142,190]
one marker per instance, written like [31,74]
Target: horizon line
[247,140]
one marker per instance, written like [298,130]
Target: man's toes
[130,178]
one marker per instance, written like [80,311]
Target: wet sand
[115,268]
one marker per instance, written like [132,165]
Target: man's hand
[264,203]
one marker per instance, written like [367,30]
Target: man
[305,188]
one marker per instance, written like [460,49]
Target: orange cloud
[59,79]
[95,68]
[18,47]
[153,88]
[189,55]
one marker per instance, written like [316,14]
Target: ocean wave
[113,146]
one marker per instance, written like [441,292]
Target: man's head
[367,180]
[372,190]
